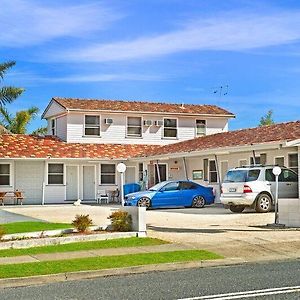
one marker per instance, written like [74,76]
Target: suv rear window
[241,175]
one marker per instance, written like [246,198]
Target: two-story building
[157,141]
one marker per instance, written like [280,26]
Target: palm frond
[7,118]
[8,94]
[5,66]
[40,131]
[21,121]
[33,111]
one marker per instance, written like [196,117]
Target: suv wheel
[263,203]
[236,208]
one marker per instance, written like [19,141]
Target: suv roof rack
[259,165]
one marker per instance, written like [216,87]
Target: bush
[2,232]
[82,222]
[121,221]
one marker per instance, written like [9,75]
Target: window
[108,174]
[242,175]
[53,127]
[172,186]
[257,160]
[293,162]
[170,128]
[205,168]
[243,162]
[200,127]
[184,185]
[92,125]
[4,174]
[213,175]
[279,161]
[141,172]
[285,176]
[55,173]
[263,158]
[134,126]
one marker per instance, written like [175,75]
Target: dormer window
[134,126]
[170,128]
[92,125]
[53,127]
[200,127]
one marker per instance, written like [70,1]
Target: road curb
[71,276]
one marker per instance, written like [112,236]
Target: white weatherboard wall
[289,212]
[116,132]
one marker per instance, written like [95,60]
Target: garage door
[29,178]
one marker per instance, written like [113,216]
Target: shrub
[121,221]
[82,222]
[2,232]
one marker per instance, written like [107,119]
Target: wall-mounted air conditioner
[108,121]
[158,123]
[147,122]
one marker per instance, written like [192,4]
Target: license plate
[232,190]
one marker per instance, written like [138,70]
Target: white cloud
[29,22]
[237,31]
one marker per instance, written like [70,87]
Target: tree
[267,119]
[40,131]
[19,122]
[8,93]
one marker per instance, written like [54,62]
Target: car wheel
[237,208]
[144,202]
[263,203]
[198,202]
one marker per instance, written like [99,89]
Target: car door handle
[288,184]
[268,183]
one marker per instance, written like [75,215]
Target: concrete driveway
[242,236]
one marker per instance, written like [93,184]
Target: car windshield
[157,186]
[241,175]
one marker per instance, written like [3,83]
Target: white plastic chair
[102,196]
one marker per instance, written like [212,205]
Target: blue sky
[161,50]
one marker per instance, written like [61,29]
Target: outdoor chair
[102,196]
[2,195]
[18,195]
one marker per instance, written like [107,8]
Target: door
[72,183]
[162,168]
[89,183]
[289,181]
[130,175]
[270,181]
[224,169]
[169,195]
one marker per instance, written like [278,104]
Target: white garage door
[29,178]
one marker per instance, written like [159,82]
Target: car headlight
[131,198]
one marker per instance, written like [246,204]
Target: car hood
[138,195]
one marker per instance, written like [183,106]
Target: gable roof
[139,106]
[30,146]
[265,134]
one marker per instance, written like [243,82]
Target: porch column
[185,169]
[157,170]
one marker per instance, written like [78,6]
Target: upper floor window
[134,126]
[293,162]
[170,128]
[4,174]
[55,174]
[53,126]
[200,127]
[92,125]
[108,174]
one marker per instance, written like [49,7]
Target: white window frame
[53,127]
[215,171]
[9,175]
[196,133]
[288,161]
[84,126]
[132,135]
[64,174]
[115,177]
[281,156]
[163,129]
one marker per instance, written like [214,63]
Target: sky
[177,51]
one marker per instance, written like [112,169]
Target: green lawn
[19,227]
[106,262]
[115,243]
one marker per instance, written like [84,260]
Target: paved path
[10,217]
[90,253]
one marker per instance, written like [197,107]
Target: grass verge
[20,227]
[106,262]
[80,246]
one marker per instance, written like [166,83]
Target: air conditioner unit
[147,122]
[158,123]
[108,121]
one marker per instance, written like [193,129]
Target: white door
[29,179]
[72,183]
[130,175]
[89,183]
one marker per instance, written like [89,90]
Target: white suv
[254,186]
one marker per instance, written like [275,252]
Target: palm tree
[8,93]
[19,122]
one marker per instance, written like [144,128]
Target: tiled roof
[141,106]
[264,134]
[29,146]
[3,130]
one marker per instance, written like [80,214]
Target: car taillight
[247,189]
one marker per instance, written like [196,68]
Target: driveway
[10,217]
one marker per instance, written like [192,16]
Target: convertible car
[172,193]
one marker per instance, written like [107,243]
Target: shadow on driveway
[8,217]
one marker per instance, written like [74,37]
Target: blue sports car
[172,193]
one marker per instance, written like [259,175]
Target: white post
[121,168]
[276,171]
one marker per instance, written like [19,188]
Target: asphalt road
[251,278]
